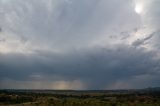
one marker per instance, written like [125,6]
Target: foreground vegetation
[79,98]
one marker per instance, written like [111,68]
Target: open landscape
[79,52]
[143,97]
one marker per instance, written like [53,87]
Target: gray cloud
[79,44]
[65,25]
[142,41]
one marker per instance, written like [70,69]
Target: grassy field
[79,98]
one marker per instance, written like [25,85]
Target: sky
[79,44]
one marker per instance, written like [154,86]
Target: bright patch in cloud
[139,8]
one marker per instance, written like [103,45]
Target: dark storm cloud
[99,67]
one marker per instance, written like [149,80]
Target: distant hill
[153,88]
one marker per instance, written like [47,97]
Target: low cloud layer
[72,44]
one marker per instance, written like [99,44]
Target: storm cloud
[79,44]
